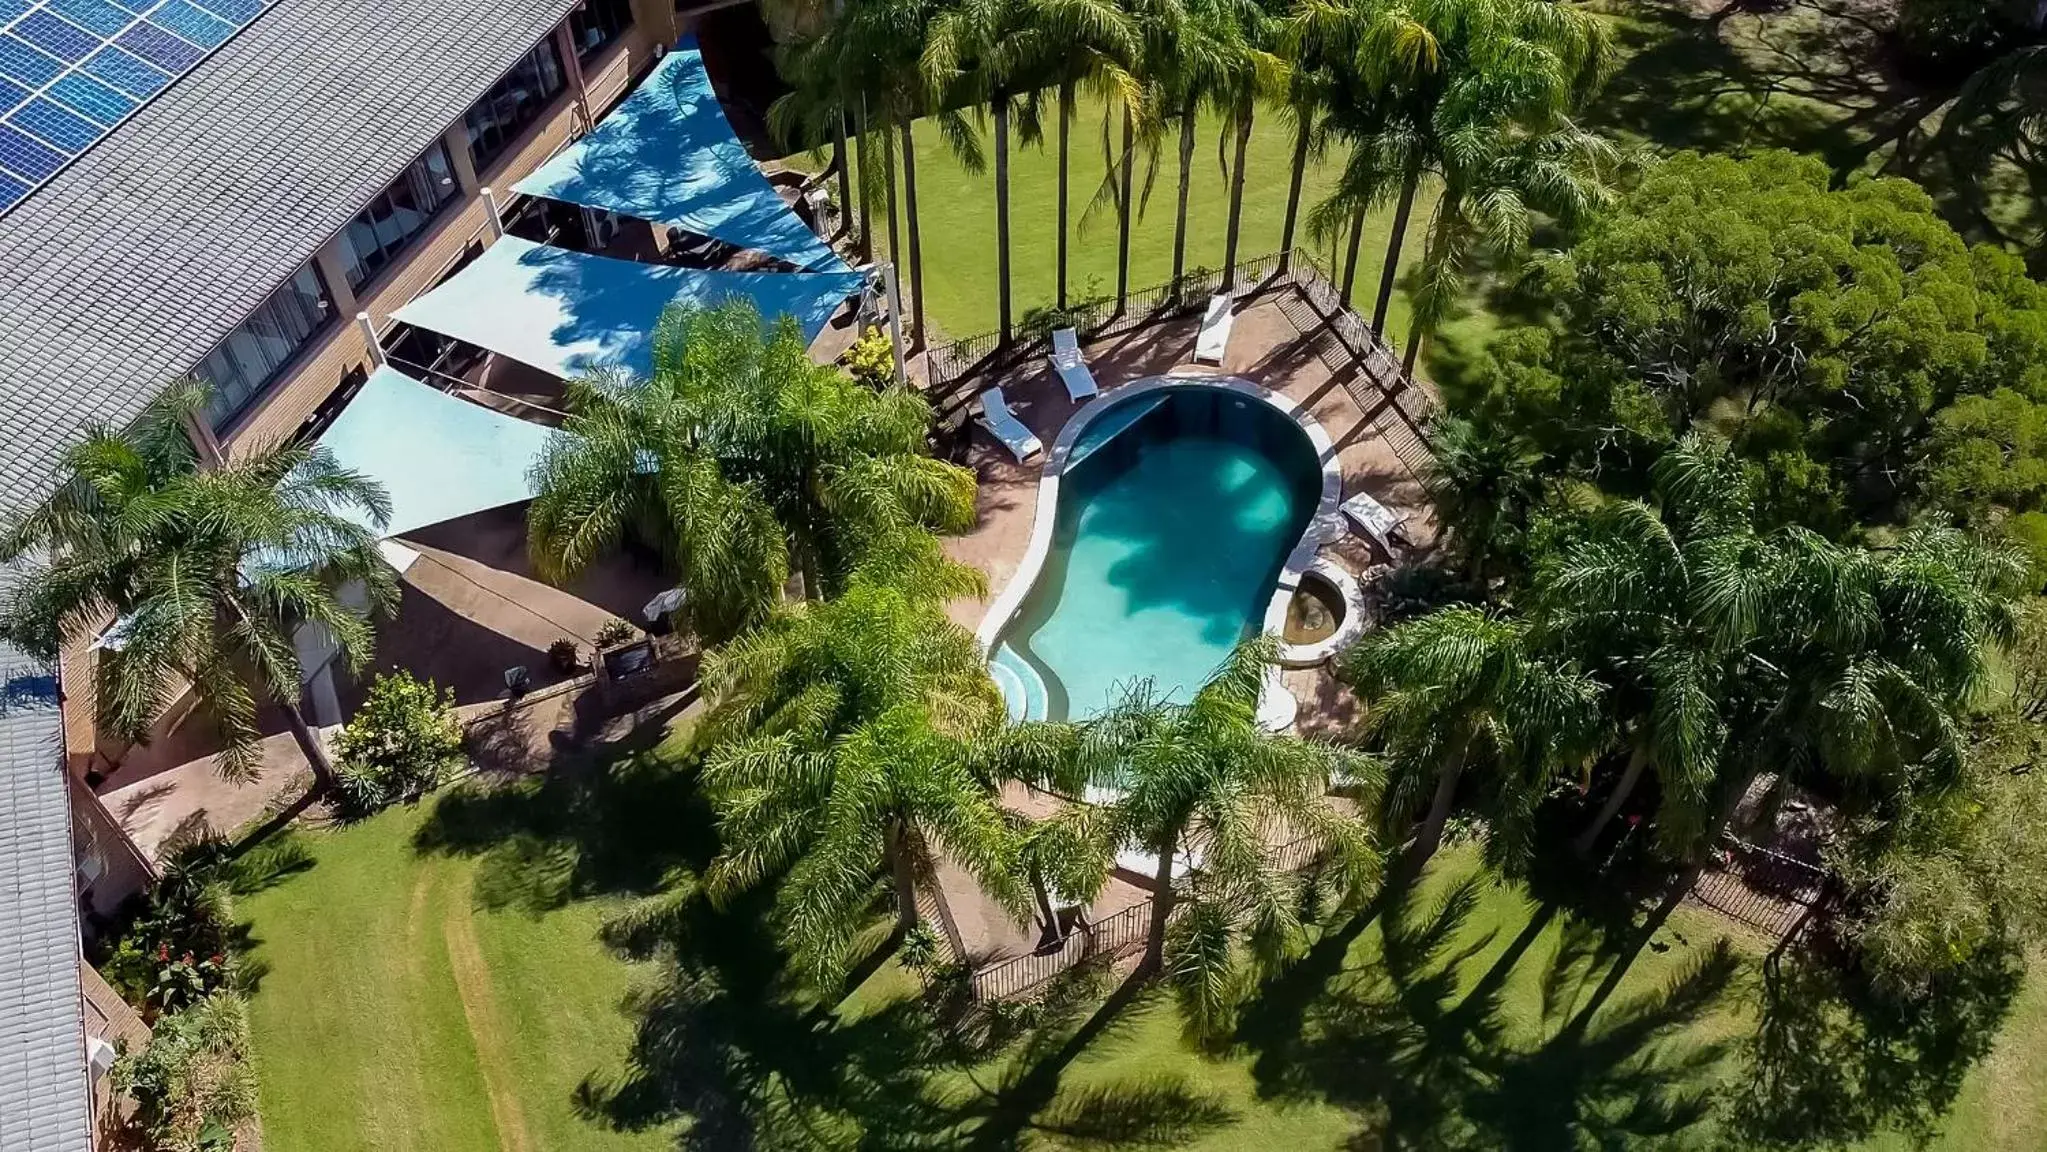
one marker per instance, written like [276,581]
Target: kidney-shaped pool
[1176,505]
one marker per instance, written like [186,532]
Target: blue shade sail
[72,70]
[438,457]
[569,314]
[667,155]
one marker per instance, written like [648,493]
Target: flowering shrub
[872,359]
[398,746]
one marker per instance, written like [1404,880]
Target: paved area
[1267,347]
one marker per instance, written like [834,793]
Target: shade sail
[439,457]
[667,154]
[570,313]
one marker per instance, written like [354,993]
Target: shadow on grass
[734,1049]
[1424,1063]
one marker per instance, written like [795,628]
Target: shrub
[920,946]
[399,745]
[872,359]
[176,950]
[192,1084]
[563,655]
[614,633]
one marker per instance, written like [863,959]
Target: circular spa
[1174,509]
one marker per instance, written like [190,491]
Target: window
[375,237]
[254,353]
[512,103]
[597,23]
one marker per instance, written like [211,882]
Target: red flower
[1634,819]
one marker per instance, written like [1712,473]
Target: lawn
[396,1011]
[957,211]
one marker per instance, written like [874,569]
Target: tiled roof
[45,1097]
[125,269]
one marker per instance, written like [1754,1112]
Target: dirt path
[486,1028]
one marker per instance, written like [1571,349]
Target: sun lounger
[1374,519]
[1214,338]
[1071,366]
[1004,426]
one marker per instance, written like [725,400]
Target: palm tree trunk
[1390,270]
[310,746]
[1161,906]
[1047,914]
[1230,234]
[1123,212]
[1350,257]
[903,866]
[1430,836]
[1180,212]
[1427,305]
[888,171]
[1065,125]
[844,164]
[1293,196]
[1002,207]
[862,143]
[916,237]
[1589,839]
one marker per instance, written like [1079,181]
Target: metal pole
[369,335]
[497,219]
[895,320]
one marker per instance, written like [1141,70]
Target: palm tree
[1486,482]
[842,736]
[1003,53]
[207,572]
[1204,53]
[1464,689]
[863,63]
[1647,598]
[741,460]
[1205,781]
[1476,93]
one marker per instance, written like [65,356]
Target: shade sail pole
[497,219]
[369,333]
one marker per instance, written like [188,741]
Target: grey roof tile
[45,1098]
[125,269]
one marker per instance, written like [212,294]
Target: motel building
[391,226]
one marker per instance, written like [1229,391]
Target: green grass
[395,1012]
[956,209]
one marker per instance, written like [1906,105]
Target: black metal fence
[1766,890]
[950,363]
[1108,939]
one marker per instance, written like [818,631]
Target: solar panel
[72,70]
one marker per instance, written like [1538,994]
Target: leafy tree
[207,573]
[841,753]
[1205,781]
[1825,332]
[1464,691]
[1477,94]
[1486,484]
[740,459]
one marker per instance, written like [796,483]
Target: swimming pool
[1168,515]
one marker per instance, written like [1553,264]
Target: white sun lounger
[1072,368]
[1374,520]
[1214,338]
[1002,424]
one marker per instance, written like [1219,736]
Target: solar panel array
[71,70]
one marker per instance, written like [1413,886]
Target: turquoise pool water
[1176,511]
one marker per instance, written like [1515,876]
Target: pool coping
[1324,526]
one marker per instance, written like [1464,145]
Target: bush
[399,745]
[614,633]
[192,1084]
[177,950]
[872,359]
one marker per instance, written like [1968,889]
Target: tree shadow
[1425,1062]
[615,822]
[736,1052]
